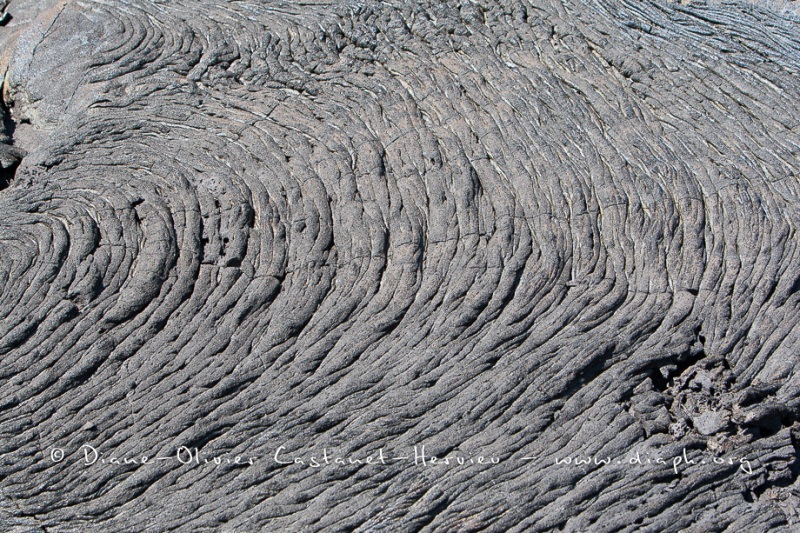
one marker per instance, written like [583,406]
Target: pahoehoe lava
[512,229]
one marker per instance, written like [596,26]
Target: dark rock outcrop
[517,234]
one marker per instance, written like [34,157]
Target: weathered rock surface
[519,230]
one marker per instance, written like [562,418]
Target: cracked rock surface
[299,232]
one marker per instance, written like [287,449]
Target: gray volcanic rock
[261,261]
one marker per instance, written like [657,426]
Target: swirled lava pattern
[512,230]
